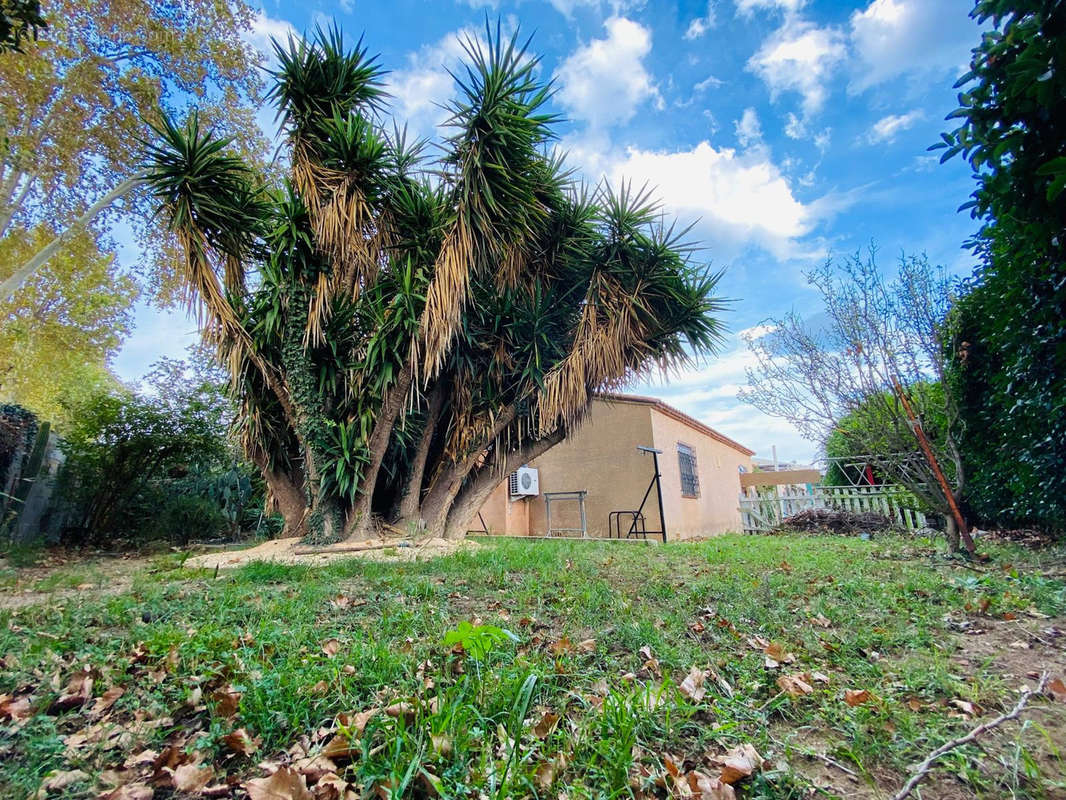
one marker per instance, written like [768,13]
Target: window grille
[690,482]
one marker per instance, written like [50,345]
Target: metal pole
[584,524]
[659,493]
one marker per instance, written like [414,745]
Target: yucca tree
[402,334]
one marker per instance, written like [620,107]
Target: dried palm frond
[446,295]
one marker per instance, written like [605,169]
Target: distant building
[700,476]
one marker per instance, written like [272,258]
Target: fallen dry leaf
[14,708]
[1057,689]
[106,700]
[820,677]
[856,697]
[794,685]
[692,686]
[331,647]
[239,741]
[549,771]
[704,787]
[586,646]
[191,777]
[966,707]
[739,763]
[777,655]
[284,784]
[227,702]
[332,786]
[131,791]
[544,728]
[78,692]
[61,780]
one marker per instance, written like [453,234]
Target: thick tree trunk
[447,483]
[358,523]
[486,479]
[951,530]
[289,501]
[413,491]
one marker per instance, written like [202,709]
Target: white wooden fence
[766,511]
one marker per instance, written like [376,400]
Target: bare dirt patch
[62,576]
[285,551]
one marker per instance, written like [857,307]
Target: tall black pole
[659,494]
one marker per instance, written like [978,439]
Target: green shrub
[185,517]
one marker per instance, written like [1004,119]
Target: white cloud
[420,90]
[740,198]
[895,37]
[800,57]
[747,7]
[605,81]
[266,28]
[347,5]
[700,25]
[749,131]
[886,128]
[709,393]
[710,82]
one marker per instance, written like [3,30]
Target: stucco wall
[715,509]
[602,458]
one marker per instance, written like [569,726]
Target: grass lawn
[221,673]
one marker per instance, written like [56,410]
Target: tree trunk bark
[287,499]
[446,485]
[413,492]
[11,284]
[358,524]
[951,531]
[487,478]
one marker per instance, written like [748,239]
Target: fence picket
[763,513]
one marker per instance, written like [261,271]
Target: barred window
[690,481]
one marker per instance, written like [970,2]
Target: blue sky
[785,129]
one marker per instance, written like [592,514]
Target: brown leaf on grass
[692,686]
[227,702]
[820,677]
[561,647]
[586,646]
[547,724]
[856,697]
[61,780]
[131,791]
[106,700]
[739,763]
[141,759]
[191,777]
[78,692]
[821,621]
[777,655]
[1057,690]
[14,708]
[795,685]
[314,767]
[331,647]
[240,741]
[332,786]
[703,787]
[547,772]
[284,784]
[967,708]
[319,688]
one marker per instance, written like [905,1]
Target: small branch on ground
[924,768]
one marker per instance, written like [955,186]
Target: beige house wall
[715,509]
[602,459]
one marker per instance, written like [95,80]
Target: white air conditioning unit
[524,482]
